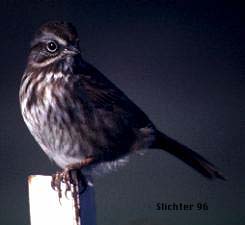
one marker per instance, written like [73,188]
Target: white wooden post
[46,207]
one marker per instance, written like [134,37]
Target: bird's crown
[64,31]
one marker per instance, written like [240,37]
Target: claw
[67,178]
[76,182]
[62,177]
[56,183]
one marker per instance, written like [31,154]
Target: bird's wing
[103,94]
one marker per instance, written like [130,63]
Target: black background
[182,62]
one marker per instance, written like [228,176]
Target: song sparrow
[80,119]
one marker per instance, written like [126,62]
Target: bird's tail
[187,155]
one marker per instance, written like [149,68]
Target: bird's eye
[52,46]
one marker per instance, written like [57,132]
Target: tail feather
[187,155]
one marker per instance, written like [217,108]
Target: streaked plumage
[74,112]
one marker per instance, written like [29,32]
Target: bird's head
[55,45]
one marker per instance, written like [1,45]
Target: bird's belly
[69,128]
[51,128]
[68,135]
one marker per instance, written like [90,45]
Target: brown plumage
[75,113]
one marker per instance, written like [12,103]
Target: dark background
[182,62]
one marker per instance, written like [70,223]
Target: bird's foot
[74,180]
[71,176]
[66,177]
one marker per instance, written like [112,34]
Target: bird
[81,119]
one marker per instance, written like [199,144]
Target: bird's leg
[82,182]
[66,176]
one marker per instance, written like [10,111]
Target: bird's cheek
[36,58]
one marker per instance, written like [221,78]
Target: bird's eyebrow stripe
[49,36]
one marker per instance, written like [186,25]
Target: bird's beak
[71,50]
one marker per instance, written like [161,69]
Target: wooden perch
[46,207]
